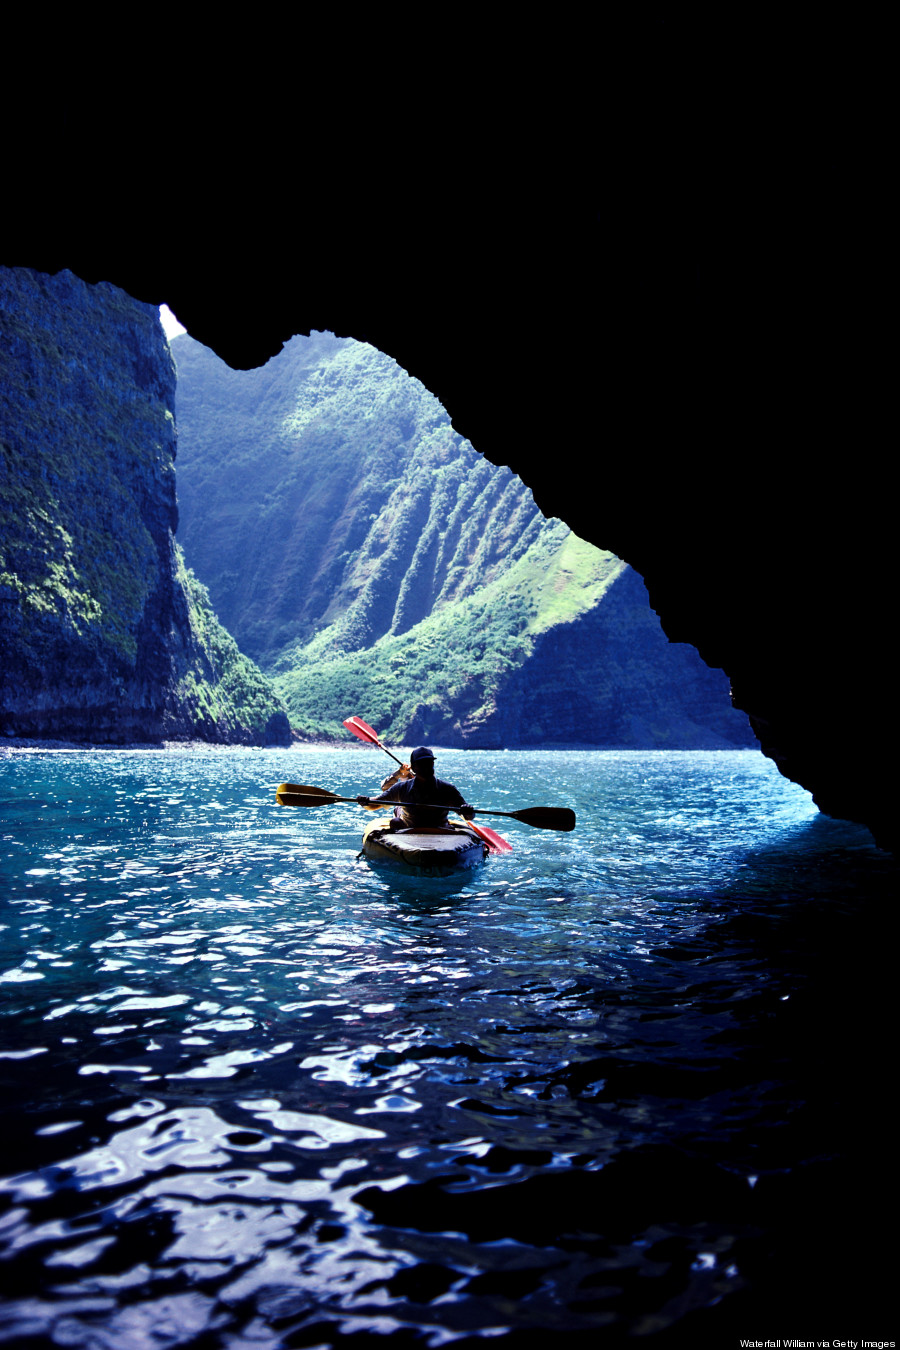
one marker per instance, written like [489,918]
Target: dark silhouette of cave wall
[664,334]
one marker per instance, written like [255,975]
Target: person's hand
[363,801]
[467,812]
[403,772]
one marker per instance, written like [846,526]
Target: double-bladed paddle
[495,842]
[541,817]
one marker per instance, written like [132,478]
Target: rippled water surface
[258,1093]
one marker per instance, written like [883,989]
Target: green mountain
[373,562]
[105,636]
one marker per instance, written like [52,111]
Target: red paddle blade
[362,730]
[495,842]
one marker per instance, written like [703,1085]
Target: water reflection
[258,1091]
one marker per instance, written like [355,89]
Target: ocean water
[625,1085]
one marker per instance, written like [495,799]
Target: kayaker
[421,786]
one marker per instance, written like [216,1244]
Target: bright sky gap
[171,326]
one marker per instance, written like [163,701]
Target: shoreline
[13,745]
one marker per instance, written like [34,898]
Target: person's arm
[392,795]
[403,772]
[461,805]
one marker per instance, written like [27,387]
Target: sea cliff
[105,636]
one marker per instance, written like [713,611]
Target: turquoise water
[257,1092]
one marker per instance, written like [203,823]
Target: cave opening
[373,538]
[737,441]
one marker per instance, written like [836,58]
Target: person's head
[421,762]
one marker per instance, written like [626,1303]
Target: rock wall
[611,679]
[103,637]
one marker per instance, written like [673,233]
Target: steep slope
[327,486]
[372,560]
[563,649]
[104,636]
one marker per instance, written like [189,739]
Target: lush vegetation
[329,486]
[226,692]
[104,634]
[445,677]
[78,450]
[373,562]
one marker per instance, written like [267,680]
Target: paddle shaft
[365,733]
[541,817]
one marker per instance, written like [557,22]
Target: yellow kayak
[445,849]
